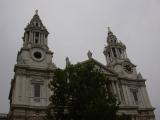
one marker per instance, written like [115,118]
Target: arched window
[36,24]
[37,37]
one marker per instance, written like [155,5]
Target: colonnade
[30,38]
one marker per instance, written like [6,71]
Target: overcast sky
[77,26]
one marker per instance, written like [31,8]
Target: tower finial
[36,12]
[109,29]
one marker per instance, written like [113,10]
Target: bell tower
[116,57]
[29,93]
[129,86]
[35,34]
[115,50]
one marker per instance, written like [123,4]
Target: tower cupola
[115,49]
[35,33]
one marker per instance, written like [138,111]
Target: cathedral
[29,92]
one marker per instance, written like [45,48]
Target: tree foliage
[81,92]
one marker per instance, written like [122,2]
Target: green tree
[81,92]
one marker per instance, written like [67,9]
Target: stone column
[125,94]
[44,40]
[141,97]
[116,50]
[128,95]
[39,38]
[144,97]
[125,54]
[147,97]
[34,37]
[113,86]
[119,53]
[118,92]
[112,56]
[23,89]
[27,89]
[25,38]
[107,59]
[30,36]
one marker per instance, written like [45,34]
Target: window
[37,34]
[36,37]
[36,41]
[135,96]
[37,90]
[36,24]
[120,50]
[109,54]
[28,36]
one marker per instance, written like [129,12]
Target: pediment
[102,67]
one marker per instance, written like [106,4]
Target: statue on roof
[89,54]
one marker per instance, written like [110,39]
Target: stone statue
[67,61]
[89,54]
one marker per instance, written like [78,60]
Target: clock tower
[129,86]
[29,93]
[116,57]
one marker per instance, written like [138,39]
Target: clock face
[37,54]
[128,67]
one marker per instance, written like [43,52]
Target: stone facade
[29,93]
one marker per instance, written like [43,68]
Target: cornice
[14,106]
